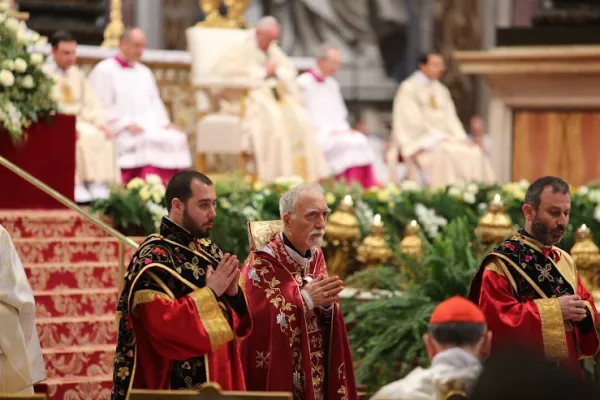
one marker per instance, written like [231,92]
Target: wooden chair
[208,391]
[8,396]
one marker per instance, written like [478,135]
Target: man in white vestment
[276,126]
[429,134]
[347,151]
[21,362]
[147,142]
[96,164]
[457,341]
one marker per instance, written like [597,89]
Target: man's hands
[324,291]
[573,308]
[271,67]
[135,129]
[106,131]
[225,278]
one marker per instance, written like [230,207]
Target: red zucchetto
[457,309]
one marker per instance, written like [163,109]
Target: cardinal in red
[530,290]
[299,342]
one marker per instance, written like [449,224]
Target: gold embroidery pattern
[212,318]
[544,273]
[553,329]
[263,359]
[147,296]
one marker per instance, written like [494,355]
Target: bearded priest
[530,290]
[181,311]
[299,344]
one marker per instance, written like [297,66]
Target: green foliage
[386,334]
[26,92]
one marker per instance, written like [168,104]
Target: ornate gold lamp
[586,255]
[115,28]
[341,238]
[411,244]
[495,225]
[235,18]
[374,250]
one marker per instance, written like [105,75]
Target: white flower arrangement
[151,192]
[430,221]
[464,192]
[25,89]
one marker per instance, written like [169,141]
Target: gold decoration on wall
[115,28]
[234,18]
[374,250]
[411,244]
[495,226]
[341,238]
[586,255]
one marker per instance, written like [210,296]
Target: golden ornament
[586,256]
[495,226]
[374,250]
[342,234]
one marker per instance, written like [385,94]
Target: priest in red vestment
[181,308]
[530,290]
[299,342]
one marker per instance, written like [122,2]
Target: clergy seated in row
[146,140]
[276,127]
[347,151]
[457,341]
[429,134]
[95,154]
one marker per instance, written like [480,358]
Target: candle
[377,219]
[347,200]
[413,223]
[497,197]
[583,227]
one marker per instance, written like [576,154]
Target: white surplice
[96,158]
[343,147]
[278,131]
[129,95]
[427,128]
[452,369]
[21,362]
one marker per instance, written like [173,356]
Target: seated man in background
[147,142]
[428,133]
[276,127]
[457,340]
[478,134]
[347,151]
[96,158]
[21,362]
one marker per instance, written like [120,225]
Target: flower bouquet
[26,91]
[138,208]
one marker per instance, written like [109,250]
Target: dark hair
[61,36]
[457,333]
[456,396]
[424,57]
[517,373]
[180,186]
[534,192]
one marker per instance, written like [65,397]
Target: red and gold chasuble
[291,348]
[173,332]
[517,286]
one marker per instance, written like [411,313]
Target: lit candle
[497,198]
[377,219]
[583,227]
[413,223]
[347,200]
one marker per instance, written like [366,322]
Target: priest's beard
[545,234]
[315,239]
[197,230]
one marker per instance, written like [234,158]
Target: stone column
[148,16]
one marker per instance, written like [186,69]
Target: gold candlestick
[341,238]
[495,225]
[586,256]
[374,250]
[115,28]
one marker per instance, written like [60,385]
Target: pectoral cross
[66,93]
[433,102]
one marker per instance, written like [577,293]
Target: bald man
[347,151]
[277,128]
[146,140]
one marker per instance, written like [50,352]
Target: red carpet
[72,267]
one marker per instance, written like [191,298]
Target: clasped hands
[270,67]
[572,307]
[324,291]
[225,278]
